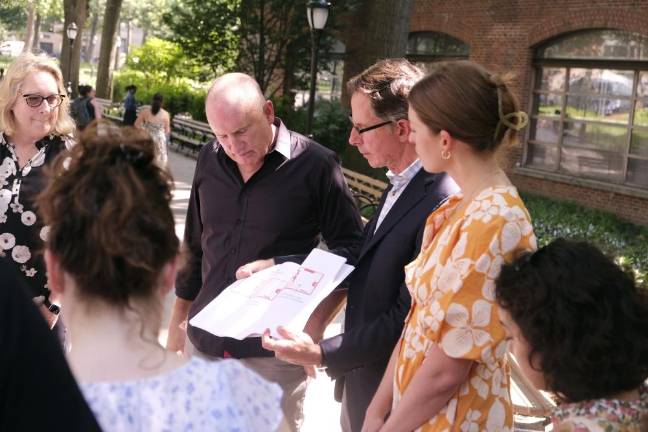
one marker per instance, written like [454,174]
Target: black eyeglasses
[35,100]
[368,128]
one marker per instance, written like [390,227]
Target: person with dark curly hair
[579,328]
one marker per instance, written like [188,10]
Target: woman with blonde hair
[448,371]
[34,128]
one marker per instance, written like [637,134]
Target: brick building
[581,69]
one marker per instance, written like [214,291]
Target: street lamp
[317,13]
[71,34]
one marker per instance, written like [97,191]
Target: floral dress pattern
[603,415]
[218,396]
[452,284]
[22,235]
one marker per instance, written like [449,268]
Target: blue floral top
[199,396]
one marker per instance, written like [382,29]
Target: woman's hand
[372,422]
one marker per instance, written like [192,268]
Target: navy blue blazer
[378,300]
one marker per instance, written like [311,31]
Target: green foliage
[623,240]
[13,16]
[208,30]
[163,61]
[181,95]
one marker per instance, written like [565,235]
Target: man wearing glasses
[378,299]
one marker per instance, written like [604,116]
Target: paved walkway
[321,411]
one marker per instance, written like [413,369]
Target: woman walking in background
[448,370]
[156,122]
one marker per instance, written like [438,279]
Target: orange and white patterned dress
[452,284]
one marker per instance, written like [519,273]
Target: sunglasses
[35,100]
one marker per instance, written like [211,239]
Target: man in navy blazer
[377,300]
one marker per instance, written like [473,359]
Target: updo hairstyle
[471,104]
[107,208]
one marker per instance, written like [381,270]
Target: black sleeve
[37,389]
[340,221]
[371,341]
[91,109]
[189,280]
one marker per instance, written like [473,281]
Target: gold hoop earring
[445,155]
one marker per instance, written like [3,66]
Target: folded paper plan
[282,295]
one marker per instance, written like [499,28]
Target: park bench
[366,190]
[188,134]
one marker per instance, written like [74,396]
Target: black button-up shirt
[298,194]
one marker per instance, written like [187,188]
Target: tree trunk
[128,38]
[378,29]
[111,19]
[31,20]
[75,11]
[89,53]
[37,24]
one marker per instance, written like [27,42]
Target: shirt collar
[283,138]
[404,177]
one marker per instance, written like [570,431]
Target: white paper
[282,295]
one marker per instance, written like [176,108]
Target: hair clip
[522,119]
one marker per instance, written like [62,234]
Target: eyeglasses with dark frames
[368,128]
[36,100]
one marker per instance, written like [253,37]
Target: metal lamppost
[317,13]
[71,34]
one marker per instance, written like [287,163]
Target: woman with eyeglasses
[34,128]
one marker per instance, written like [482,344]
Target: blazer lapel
[412,195]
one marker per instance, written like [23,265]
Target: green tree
[162,60]
[208,30]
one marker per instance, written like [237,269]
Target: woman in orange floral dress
[448,371]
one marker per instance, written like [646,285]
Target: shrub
[623,240]
[180,95]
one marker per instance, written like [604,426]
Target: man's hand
[247,270]
[296,348]
[50,318]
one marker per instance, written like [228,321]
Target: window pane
[597,45]
[591,163]
[596,136]
[637,172]
[552,79]
[642,84]
[641,113]
[600,109]
[541,156]
[436,44]
[639,145]
[601,81]
[545,130]
[548,104]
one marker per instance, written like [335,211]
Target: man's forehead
[361,108]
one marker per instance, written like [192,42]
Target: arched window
[590,107]
[426,48]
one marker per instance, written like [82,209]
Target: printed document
[282,295]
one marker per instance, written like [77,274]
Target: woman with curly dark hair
[579,328]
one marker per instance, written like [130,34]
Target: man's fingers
[310,371]
[267,342]
[243,272]
[286,334]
